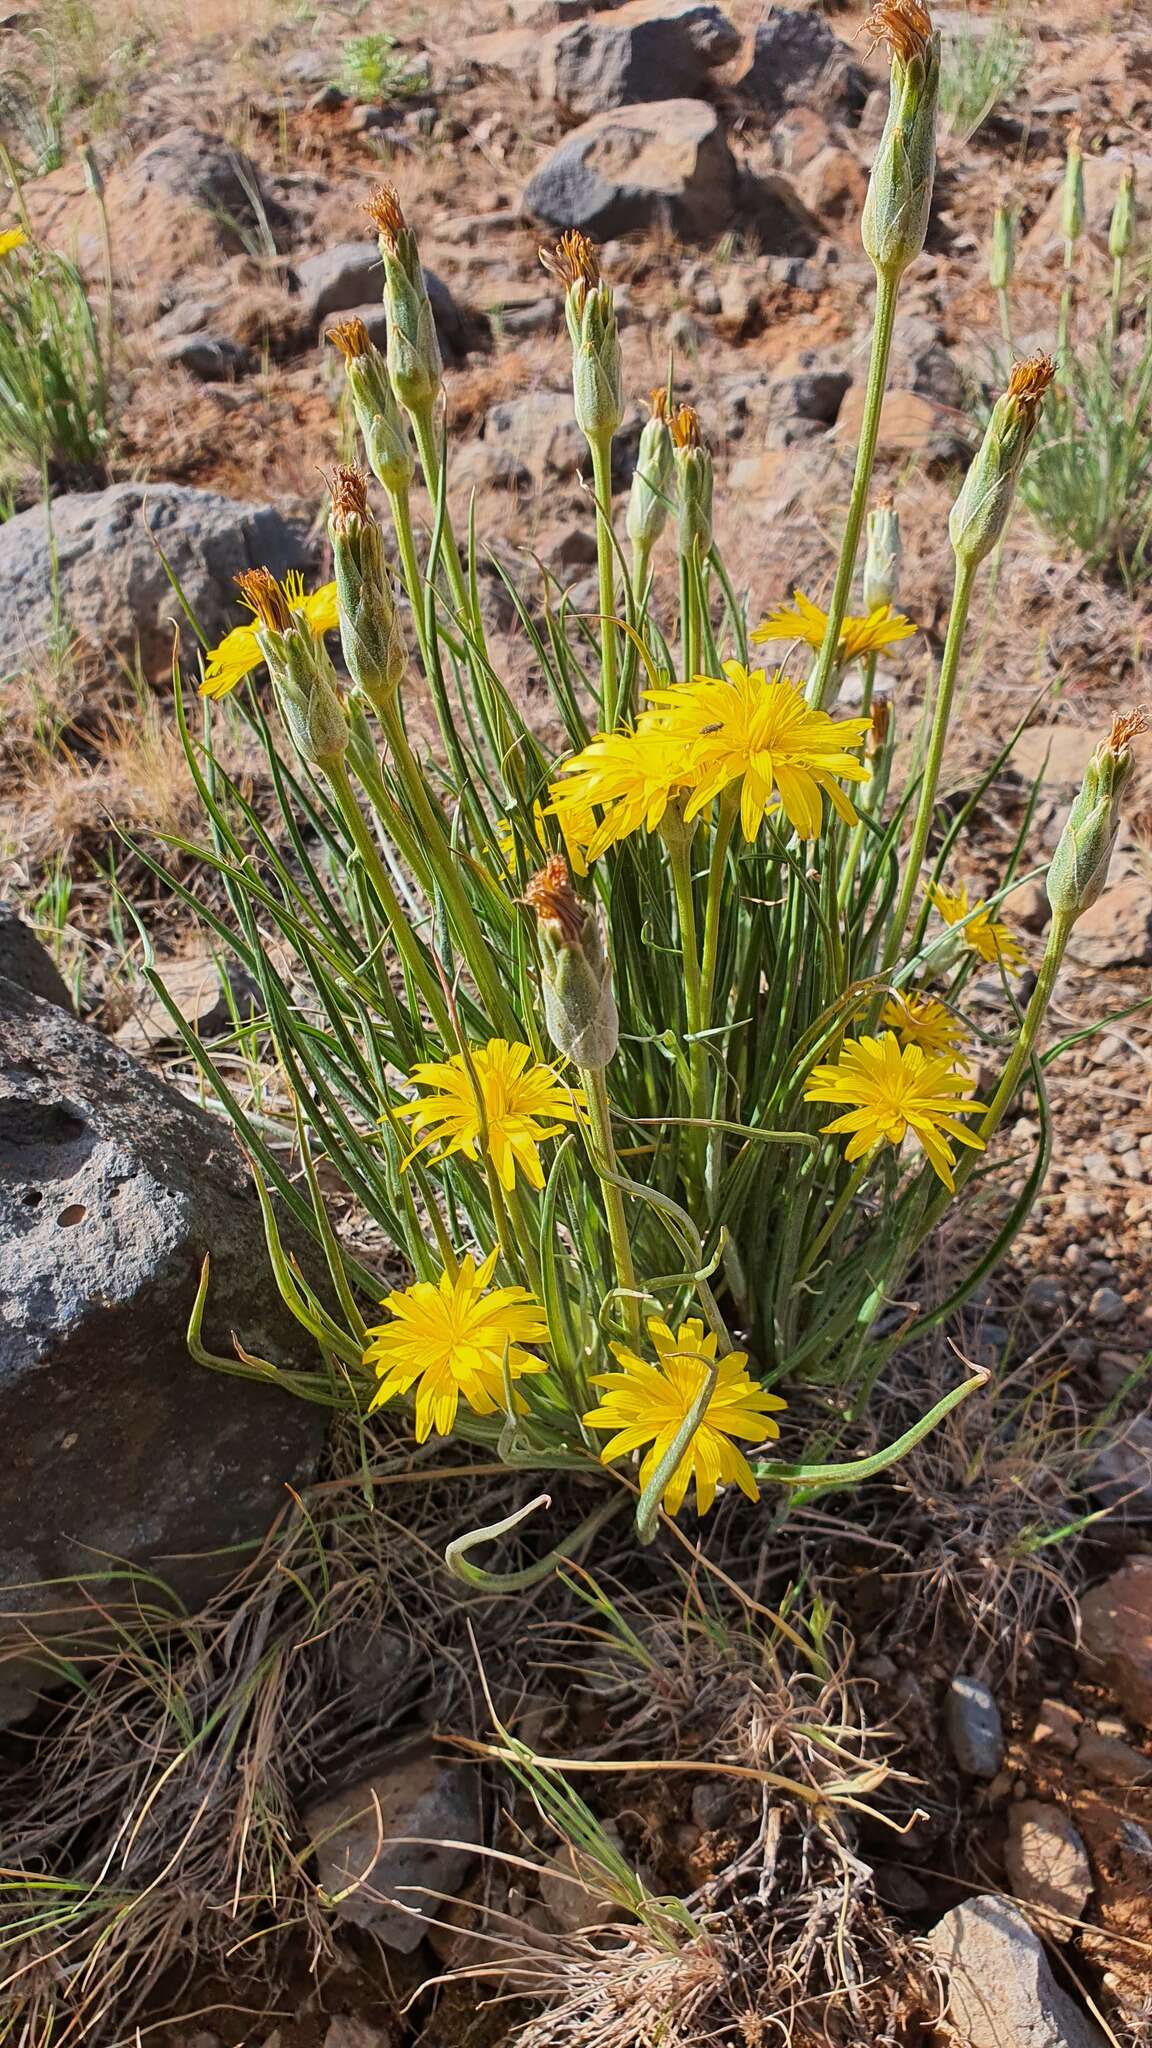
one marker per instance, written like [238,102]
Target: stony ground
[236,155]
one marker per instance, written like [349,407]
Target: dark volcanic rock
[665,164]
[639,52]
[797,58]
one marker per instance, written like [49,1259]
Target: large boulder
[797,59]
[646,50]
[538,433]
[665,164]
[349,277]
[112,585]
[119,1445]
[26,962]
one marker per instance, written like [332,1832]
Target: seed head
[348,487]
[573,260]
[386,214]
[1028,383]
[265,599]
[352,339]
[1126,727]
[903,26]
[551,895]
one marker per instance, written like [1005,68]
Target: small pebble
[975,1730]
[1106,1306]
[1058,1725]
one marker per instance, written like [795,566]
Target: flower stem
[1059,933]
[403,937]
[949,667]
[601,449]
[883,321]
[834,1217]
[424,433]
[717,873]
[603,1155]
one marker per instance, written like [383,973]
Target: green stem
[1005,305]
[601,449]
[402,936]
[604,1156]
[949,667]
[834,1217]
[427,447]
[678,839]
[525,1239]
[717,874]
[883,321]
[1065,327]
[1059,933]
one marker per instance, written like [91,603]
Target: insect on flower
[983,933]
[891,1090]
[239,652]
[458,1340]
[644,1403]
[498,1098]
[882,627]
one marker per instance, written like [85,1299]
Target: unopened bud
[895,218]
[883,555]
[649,501]
[1002,257]
[590,316]
[1122,227]
[576,973]
[370,630]
[302,674]
[381,423]
[1079,870]
[981,511]
[414,364]
[694,484]
[1072,197]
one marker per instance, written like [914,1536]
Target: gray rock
[975,1730]
[1058,1725]
[539,433]
[1111,1760]
[204,171]
[1047,1865]
[639,52]
[347,278]
[1116,931]
[810,394]
[113,1189]
[797,58]
[187,316]
[395,1839]
[113,589]
[1107,1307]
[212,358]
[26,962]
[1044,1297]
[1116,1636]
[1121,1475]
[1002,1993]
[663,165]
[777,217]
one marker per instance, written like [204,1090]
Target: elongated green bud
[590,317]
[1122,227]
[576,973]
[370,630]
[302,674]
[650,498]
[883,555]
[981,511]
[694,484]
[413,358]
[1072,198]
[1002,257]
[386,444]
[1079,870]
[895,218]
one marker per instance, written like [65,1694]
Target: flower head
[12,238]
[644,1403]
[577,827]
[630,776]
[457,1339]
[895,1089]
[272,604]
[985,934]
[803,620]
[498,1098]
[743,727]
[925,1021]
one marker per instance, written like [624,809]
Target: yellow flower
[986,936]
[925,1021]
[630,776]
[12,238]
[803,620]
[511,1106]
[577,827]
[239,651]
[764,735]
[646,1404]
[456,1339]
[896,1090]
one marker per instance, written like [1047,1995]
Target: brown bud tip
[685,425]
[386,214]
[574,260]
[659,403]
[265,599]
[1127,726]
[349,492]
[351,337]
[903,26]
[884,500]
[881,719]
[552,897]
[1029,381]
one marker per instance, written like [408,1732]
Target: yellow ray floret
[866,634]
[992,940]
[499,1098]
[895,1089]
[452,1339]
[577,825]
[925,1021]
[744,727]
[12,238]
[239,651]
[644,1403]
[630,776]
